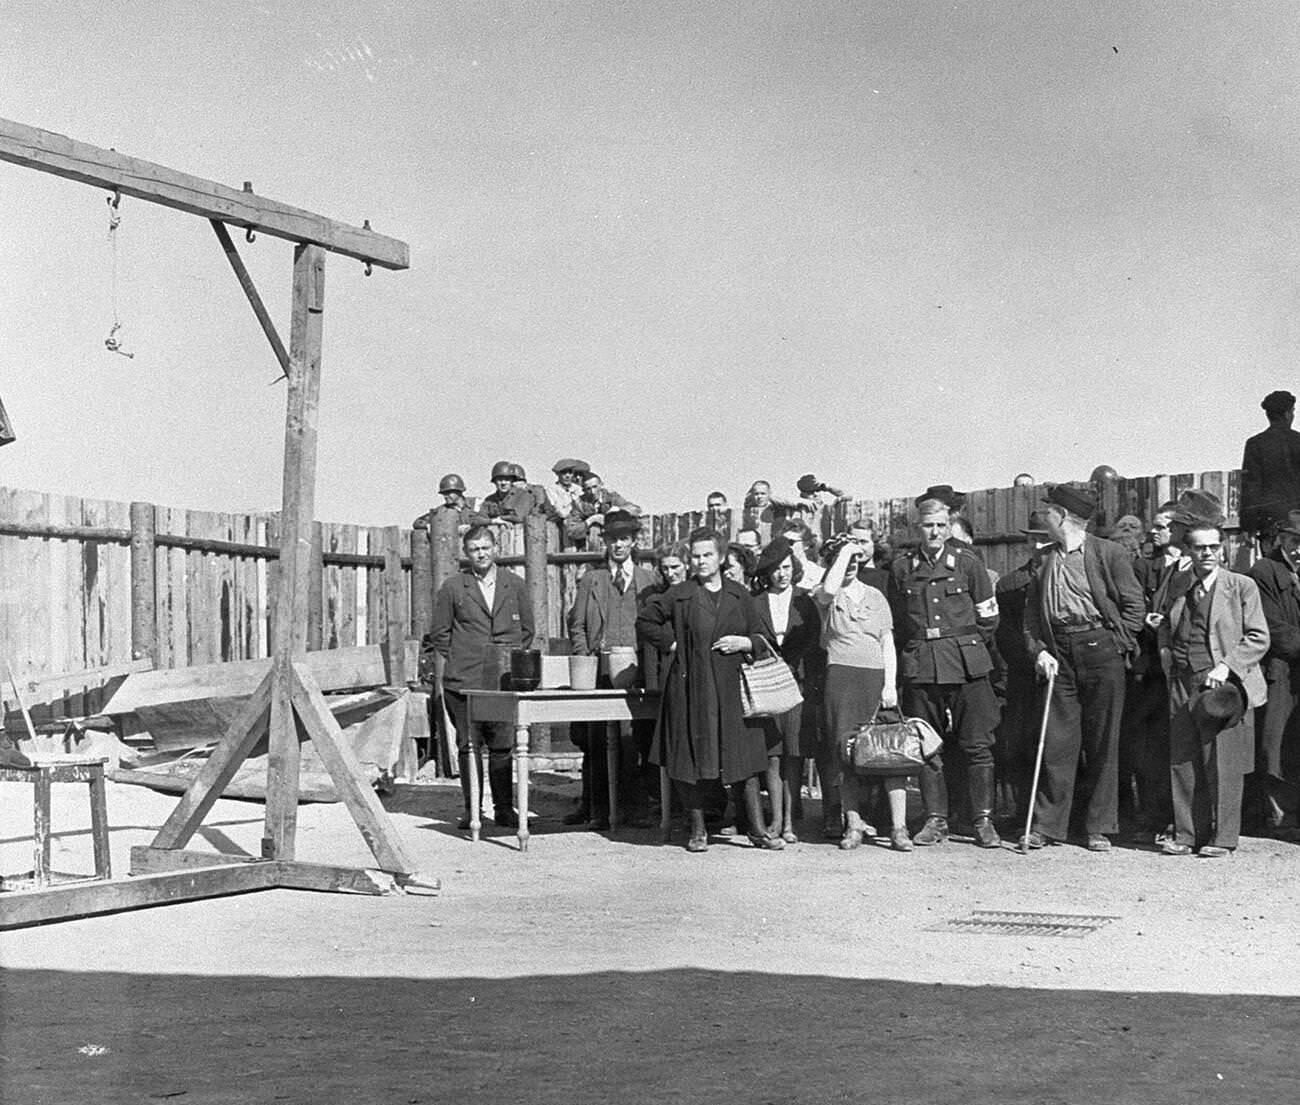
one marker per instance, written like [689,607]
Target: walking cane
[1038,764]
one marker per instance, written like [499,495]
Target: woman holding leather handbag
[790,620]
[707,625]
[861,673]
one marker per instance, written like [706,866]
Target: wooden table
[524,708]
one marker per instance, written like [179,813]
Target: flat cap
[1278,402]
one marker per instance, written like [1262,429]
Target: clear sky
[693,242]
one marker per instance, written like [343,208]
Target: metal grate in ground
[998,922]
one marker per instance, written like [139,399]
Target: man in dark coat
[1082,617]
[478,615]
[605,606]
[1279,591]
[1022,702]
[1270,467]
[1144,730]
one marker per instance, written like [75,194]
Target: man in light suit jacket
[1082,616]
[1213,636]
[477,611]
[605,605]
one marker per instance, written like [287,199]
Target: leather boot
[934,799]
[503,798]
[979,781]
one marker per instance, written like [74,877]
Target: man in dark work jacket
[1082,617]
[475,611]
[1279,593]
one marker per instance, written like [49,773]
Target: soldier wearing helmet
[452,489]
[513,500]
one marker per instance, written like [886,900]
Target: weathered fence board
[66,584]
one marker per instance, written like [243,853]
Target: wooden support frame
[287,707]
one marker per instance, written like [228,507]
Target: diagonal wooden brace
[359,797]
[241,738]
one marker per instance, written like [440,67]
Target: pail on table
[525,669]
[582,672]
[620,665]
[555,672]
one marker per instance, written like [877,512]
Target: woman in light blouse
[861,673]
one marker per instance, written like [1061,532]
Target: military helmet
[451,482]
[517,472]
[503,470]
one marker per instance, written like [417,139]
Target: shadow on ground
[663,1036]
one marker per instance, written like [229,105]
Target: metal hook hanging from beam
[254,299]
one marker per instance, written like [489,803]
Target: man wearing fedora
[1082,616]
[605,606]
[1278,579]
[1270,467]
[1213,638]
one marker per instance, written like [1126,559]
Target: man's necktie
[620,581]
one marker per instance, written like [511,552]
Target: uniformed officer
[944,612]
[452,489]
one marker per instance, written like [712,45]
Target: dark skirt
[852,697]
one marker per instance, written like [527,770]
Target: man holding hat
[603,617]
[944,613]
[1270,467]
[1214,635]
[1278,579]
[1082,616]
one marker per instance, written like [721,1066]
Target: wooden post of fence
[421,583]
[444,533]
[396,615]
[144,593]
[316,590]
[535,579]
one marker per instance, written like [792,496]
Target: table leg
[475,798]
[41,819]
[99,825]
[665,806]
[613,733]
[521,783]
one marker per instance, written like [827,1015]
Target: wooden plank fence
[88,584]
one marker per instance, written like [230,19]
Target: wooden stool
[60,769]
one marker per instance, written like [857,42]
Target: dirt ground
[599,969]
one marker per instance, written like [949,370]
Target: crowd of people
[1142,677]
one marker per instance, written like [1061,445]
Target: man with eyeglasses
[1215,635]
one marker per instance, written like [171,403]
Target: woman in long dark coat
[709,625]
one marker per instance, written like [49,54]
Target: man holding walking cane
[1082,617]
